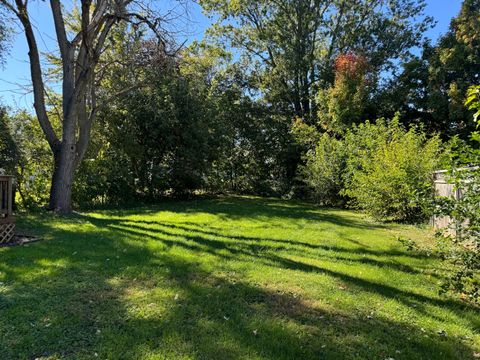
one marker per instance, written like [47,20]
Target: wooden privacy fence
[443,187]
[446,189]
[7,220]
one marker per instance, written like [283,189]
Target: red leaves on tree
[350,65]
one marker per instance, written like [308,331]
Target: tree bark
[62,179]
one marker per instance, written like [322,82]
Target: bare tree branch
[36,74]
[63,43]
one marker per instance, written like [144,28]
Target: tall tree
[344,103]
[432,88]
[294,42]
[80,52]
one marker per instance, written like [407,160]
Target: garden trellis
[7,220]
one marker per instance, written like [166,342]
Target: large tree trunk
[62,179]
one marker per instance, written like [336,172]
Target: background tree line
[274,101]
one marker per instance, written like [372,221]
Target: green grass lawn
[229,278]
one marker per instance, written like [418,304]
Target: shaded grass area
[226,278]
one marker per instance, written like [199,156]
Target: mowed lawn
[227,278]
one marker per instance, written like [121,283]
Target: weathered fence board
[443,188]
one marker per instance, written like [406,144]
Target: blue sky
[16,69]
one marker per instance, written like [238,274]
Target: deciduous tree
[293,43]
[433,87]
[80,50]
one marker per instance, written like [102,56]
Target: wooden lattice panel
[7,231]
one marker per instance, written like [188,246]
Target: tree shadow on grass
[206,231]
[268,256]
[242,246]
[78,304]
[253,208]
[280,326]
[213,242]
[103,290]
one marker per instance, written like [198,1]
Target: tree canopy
[432,88]
[291,46]
[262,104]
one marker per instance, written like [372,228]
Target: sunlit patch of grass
[228,278]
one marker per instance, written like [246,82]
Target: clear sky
[16,69]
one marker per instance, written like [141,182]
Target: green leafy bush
[389,170]
[8,148]
[473,101]
[324,169]
[34,161]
